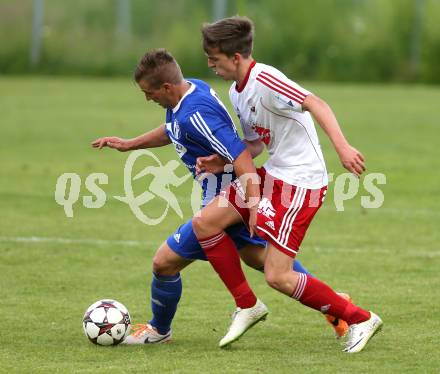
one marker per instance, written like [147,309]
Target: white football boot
[243,320]
[360,333]
[146,334]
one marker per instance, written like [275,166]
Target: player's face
[158,95]
[223,66]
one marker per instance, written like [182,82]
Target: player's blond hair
[230,35]
[157,67]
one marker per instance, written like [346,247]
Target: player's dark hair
[230,35]
[157,67]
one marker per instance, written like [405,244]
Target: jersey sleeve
[282,93]
[168,124]
[215,132]
[168,129]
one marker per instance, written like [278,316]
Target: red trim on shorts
[269,238]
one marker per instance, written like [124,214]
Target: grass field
[53,267]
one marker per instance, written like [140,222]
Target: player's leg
[221,252]
[180,249]
[284,237]
[255,255]
[166,287]
[253,250]
[166,290]
[306,289]
[298,267]
[317,295]
[209,225]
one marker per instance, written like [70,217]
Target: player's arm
[154,138]
[216,163]
[221,137]
[350,157]
[244,168]
[255,147]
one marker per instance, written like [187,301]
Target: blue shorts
[184,242]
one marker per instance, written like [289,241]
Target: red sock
[317,295]
[223,256]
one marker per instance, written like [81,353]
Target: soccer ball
[106,322]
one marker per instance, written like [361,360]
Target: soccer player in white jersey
[276,112]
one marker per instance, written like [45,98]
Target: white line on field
[386,210]
[427,252]
[40,239]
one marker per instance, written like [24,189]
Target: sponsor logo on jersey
[263,133]
[177,238]
[325,308]
[180,149]
[283,100]
[175,129]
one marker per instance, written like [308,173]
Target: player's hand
[253,220]
[120,144]
[352,160]
[210,164]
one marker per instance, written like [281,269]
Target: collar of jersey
[246,77]
[189,92]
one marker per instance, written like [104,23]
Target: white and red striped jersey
[269,106]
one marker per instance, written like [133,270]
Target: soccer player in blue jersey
[198,125]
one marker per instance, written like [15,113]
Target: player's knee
[273,279]
[202,227]
[157,265]
[162,267]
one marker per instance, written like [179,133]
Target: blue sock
[299,268]
[165,295]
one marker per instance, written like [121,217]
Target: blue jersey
[199,125]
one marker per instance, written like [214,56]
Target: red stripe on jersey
[281,91]
[302,94]
[299,99]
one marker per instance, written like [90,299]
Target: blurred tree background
[348,40]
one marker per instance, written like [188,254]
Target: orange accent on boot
[339,325]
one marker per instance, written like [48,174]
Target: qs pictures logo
[160,178]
